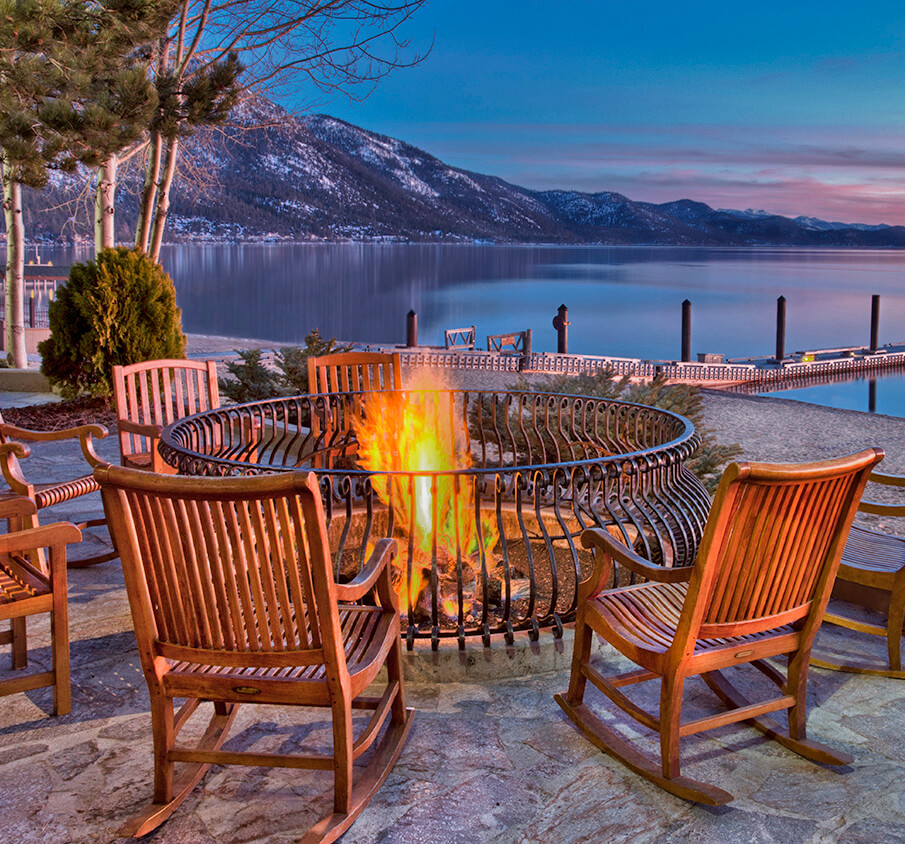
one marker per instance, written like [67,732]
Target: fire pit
[487,492]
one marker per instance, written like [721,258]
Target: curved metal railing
[543,467]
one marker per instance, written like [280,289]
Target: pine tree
[74,88]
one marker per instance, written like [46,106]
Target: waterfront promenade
[487,761]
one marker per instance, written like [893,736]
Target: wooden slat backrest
[772,543]
[238,566]
[347,372]
[159,392]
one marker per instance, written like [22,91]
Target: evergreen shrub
[251,380]
[118,309]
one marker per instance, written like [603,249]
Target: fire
[417,431]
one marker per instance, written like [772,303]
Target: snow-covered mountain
[276,176]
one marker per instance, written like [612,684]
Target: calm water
[622,301]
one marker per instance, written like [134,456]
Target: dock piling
[874,322]
[780,329]
[561,324]
[411,329]
[686,331]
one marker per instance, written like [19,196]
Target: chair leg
[162,724]
[342,756]
[59,636]
[797,685]
[19,642]
[581,655]
[894,633]
[671,690]
[398,713]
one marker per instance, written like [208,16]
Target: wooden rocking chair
[153,394]
[758,589]
[233,600]
[30,586]
[872,573]
[353,373]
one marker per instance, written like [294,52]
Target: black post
[780,329]
[411,329]
[32,310]
[872,395]
[561,324]
[686,331]
[874,322]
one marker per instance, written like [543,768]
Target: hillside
[275,176]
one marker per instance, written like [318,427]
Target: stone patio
[488,760]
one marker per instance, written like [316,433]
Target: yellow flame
[417,430]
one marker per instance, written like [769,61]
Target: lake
[623,301]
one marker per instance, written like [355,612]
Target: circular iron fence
[491,548]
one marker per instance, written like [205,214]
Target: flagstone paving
[488,760]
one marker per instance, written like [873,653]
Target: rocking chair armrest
[126,426]
[17,506]
[81,431]
[10,455]
[45,536]
[618,552]
[367,578]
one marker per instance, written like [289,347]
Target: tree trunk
[16,354]
[148,194]
[103,204]
[163,198]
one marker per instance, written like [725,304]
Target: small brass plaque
[743,654]
[246,690]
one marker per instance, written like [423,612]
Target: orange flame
[417,431]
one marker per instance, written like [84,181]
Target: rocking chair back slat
[225,573]
[155,394]
[760,563]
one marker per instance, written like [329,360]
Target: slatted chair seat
[46,495]
[757,590]
[230,584]
[870,550]
[647,615]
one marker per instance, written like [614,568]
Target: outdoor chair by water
[231,588]
[30,584]
[757,589]
[354,374]
[153,394]
[14,448]
[872,572]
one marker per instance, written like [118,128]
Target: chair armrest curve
[609,545]
[384,551]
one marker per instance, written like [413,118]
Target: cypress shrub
[118,309]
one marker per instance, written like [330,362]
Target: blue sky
[795,107]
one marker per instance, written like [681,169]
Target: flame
[417,431]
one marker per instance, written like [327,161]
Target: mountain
[275,176]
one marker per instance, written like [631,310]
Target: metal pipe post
[780,328]
[874,322]
[411,329]
[686,331]
[561,324]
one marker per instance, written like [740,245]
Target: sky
[794,107]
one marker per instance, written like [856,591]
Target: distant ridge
[277,177]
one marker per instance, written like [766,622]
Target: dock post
[561,324]
[686,331]
[872,395]
[411,329]
[874,322]
[780,329]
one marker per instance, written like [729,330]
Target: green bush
[251,380]
[118,309]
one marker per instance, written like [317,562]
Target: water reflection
[623,301]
